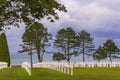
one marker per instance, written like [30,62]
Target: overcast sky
[101,18]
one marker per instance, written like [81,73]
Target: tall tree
[110,48]
[39,38]
[12,12]
[27,45]
[99,54]
[66,41]
[4,50]
[87,44]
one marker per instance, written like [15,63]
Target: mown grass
[48,74]
[97,73]
[18,73]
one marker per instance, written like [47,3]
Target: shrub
[4,51]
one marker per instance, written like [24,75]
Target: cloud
[111,4]
[101,18]
[91,15]
[94,14]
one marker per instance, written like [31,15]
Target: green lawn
[48,74]
[18,73]
[97,73]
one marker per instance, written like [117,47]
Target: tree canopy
[58,57]
[12,12]
[110,48]
[66,41]
[86,42]
[100,54]
[27,46]
[37,35]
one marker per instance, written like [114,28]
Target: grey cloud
[93,15]
[111,4]
[99,17]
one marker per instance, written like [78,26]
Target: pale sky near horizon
[101,18]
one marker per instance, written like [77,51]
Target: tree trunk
[30,53]
[38,53]
[68,60]
[31,60]
[38,57]
[83,57]
[68,52]
[83,51]
[42,56]
[110,57]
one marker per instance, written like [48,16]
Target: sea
[18,59]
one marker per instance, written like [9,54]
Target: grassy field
[47,74]
[13,74]
[18,73]
[97,73]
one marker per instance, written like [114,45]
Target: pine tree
[86,42]
[110,48]
[66,41]
[27,46]
[99,54]
[38,37]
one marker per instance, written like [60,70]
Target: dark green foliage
[37,36]
[4,51]
[58,57]
[14,11]
[27,45]
[66,41]
[110,48]
[99,54]
[87,44]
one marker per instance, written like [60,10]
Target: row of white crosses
[3,65]
[97,64]
[27,67]
[68,67]
[62,67]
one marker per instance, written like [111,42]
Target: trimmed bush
[4,51]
